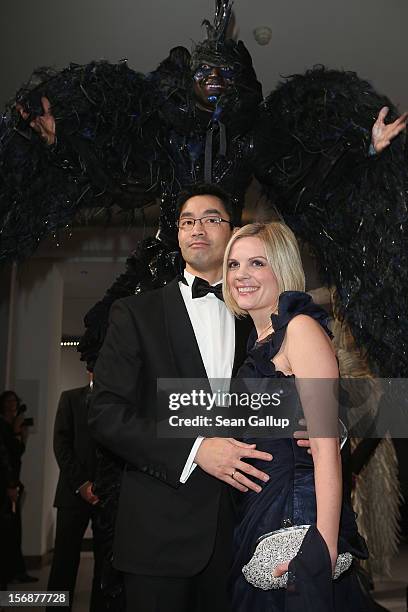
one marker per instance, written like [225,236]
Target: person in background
[13,433]
[7,522]
[75,500]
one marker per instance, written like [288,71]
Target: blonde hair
[282,254]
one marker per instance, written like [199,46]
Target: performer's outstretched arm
[84,137]
[314,162]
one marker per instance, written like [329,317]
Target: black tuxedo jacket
[74,447]
[163,527]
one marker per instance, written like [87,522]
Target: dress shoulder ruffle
[260,354]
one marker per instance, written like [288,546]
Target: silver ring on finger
[233,472]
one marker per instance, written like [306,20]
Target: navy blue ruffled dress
[289,499]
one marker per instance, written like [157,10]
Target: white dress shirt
[214,329]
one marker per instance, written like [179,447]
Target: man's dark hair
[205,189]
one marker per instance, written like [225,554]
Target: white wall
[36,372]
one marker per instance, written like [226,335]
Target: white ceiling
[364,35]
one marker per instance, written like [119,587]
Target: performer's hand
[86,492]
[302,437]
[382,134]
[221,457]
[45,124]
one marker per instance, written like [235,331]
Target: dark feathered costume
[126,139]
[350,207]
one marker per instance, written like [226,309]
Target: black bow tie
[201,287]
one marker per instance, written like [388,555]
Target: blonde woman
[263,277]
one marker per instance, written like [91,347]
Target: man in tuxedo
[175,517]
[76,504]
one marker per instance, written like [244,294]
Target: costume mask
[211,81]
[222,67]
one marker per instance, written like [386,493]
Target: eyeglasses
[210,221]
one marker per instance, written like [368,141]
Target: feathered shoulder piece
[313,159]
[322,104]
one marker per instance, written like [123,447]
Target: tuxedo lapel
[243,328]
[180,334]
[182,341]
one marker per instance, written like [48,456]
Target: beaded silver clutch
[279,547]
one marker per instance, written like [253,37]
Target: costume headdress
[217,48]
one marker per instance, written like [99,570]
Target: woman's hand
[281,568]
